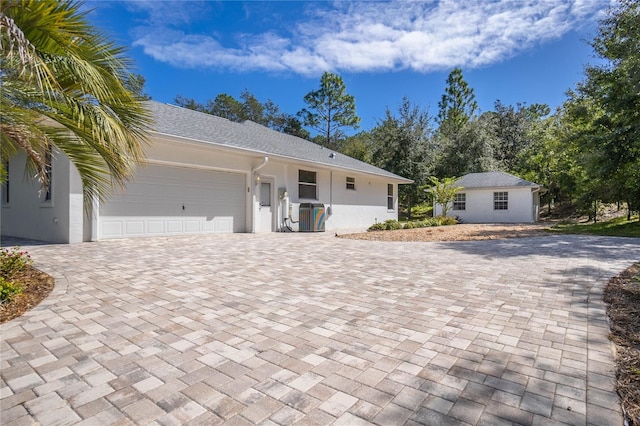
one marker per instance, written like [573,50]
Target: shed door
[173,201]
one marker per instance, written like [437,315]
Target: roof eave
[395,178]
[502,187]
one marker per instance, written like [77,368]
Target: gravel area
[461,232]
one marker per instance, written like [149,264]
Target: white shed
[495,197]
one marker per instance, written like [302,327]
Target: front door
[267,207]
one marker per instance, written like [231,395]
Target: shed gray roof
[255,138]
[493,180]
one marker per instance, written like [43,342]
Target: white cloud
[370,36]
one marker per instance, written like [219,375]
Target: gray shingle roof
[492,180]
[249,136]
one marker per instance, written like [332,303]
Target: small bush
[422,211]
[377,227]
[8,290]
[13,262]
[446,220]
[392,224]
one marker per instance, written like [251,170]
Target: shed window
[351,183]
[390,203]
[500,200]
[460,201]
[307,184]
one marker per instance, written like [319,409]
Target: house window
[351,183]
[307,184]
[390,203]
[48,170]
[5,186]
[460,201]
[500,200]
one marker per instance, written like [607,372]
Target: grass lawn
[618,227]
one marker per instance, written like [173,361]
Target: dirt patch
[622,296]
[461,232]
[36,286]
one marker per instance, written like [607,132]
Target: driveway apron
[312,329]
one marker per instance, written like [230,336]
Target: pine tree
[329,109]
[457,106]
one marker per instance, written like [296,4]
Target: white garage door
[172,201]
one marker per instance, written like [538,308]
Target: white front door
[267,206]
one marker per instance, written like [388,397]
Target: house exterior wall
[344,208]
[64,219]
[357,208]
[480,206]
[28,215]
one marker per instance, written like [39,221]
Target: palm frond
[81,104]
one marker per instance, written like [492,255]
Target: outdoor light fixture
[258,179]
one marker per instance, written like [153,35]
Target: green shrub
[387,225]
[13,261]
[428,222]
[446,220]
[408,225]
[377,227]
[8,289]
[422,211]
[392,224]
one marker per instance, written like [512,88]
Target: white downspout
[255,169]
[254,183]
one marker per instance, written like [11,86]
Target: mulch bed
[622,296]
[460,232]
[36,286]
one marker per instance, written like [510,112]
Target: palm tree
[64,85]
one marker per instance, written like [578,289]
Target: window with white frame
[351,183]
[390,203]
[501,200]
[460,201]
[307,184]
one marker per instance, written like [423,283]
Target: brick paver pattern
[284,329]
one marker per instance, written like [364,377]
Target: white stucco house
[204,174]
[495,197]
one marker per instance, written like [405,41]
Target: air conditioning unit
[311,217]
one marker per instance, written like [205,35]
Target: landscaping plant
[12,262]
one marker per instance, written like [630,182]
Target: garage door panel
[172,201]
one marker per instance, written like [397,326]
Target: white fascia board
[499,187]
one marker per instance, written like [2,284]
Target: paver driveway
[312,329]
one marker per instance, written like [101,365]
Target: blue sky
[515,51]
